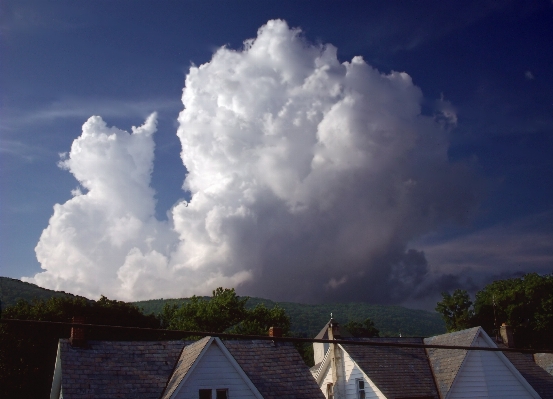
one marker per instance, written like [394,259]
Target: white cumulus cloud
[308,177]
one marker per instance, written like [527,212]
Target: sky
[308,151]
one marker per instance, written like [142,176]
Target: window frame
[361,391]
[213,392]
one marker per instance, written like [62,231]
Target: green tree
[258,320]
[224,312]
[366,329]
[525,303]
[456,310]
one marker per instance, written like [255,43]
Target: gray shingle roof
[117,369]
[537,377]
[397,372]
[446,363]
[277,370]
[545,361]
[187,358]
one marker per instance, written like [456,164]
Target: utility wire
[181,333]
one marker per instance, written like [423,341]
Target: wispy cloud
[82,109]
[521,245]
[21,150]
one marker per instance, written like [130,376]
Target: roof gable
[195,357]
[187,359]
[489,373]
[446,363]
[492,371]
[396,371]
[323,334]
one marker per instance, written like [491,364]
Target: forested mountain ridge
[11,290]
[307,320]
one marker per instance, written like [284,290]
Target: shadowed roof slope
[277,370]
[447,362]
[117,369]
[397,372]
[187,358]
[537,377]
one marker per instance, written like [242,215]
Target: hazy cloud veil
[308,178]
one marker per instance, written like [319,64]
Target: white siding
[319,351]
[352,373]
[485,375]
[326,379]
[214,371]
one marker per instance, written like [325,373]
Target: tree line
[525,303]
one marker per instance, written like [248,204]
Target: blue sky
[484,71]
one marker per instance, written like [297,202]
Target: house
[346,371]
[206,369]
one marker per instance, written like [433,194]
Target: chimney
[507,336]
[275,332]
[334,330]
[78,339]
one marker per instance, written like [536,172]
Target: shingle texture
[187,358]
[545,361]
[276,370]
[397,372]
[117,369]
[447,362]
[538,378]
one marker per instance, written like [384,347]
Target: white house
[205,369]
[348,371]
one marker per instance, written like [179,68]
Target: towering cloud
[308,178]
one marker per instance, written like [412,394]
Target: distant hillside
[11,290]
[308,320]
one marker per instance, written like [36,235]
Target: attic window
[220,393]
[205,393]
[360,389]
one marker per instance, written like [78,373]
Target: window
[360,389]
[329,391]
[205,393]
[220,393]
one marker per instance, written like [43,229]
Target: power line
[362,342]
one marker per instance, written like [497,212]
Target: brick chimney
[78,339]
[275,332]
[507,336]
